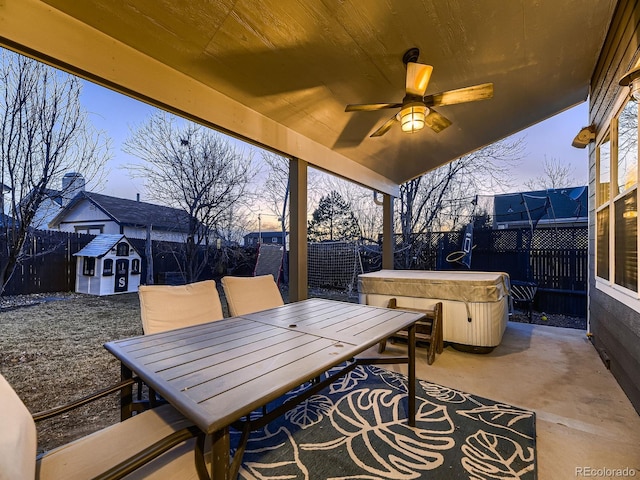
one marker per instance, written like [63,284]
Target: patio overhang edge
[39,31]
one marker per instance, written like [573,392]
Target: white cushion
[18,439]
[92,455]
[166,307]
[251,294]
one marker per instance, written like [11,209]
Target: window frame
[123,249]
[609,286]
[107,272]
[89,266]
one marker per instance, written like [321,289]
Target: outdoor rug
[356,429]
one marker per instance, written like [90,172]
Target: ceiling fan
[416,107]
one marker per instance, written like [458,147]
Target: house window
[602,171]
[89,266]
[602,243]
[122,249]
[107,267]
[91,229]
[135,266]
[617,201]
[626,243]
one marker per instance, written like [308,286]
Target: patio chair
[158,443]
[428,330]
[524,292]
[251,294]
[166,307]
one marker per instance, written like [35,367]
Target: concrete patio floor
[583,418]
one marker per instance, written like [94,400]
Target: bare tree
[276,187]
[44,132]
[191,167]
[555,174]
[442,199]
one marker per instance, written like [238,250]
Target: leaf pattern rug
[356,429]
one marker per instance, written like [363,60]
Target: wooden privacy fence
[49,265]
[554,258]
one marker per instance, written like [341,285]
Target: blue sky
[118,114]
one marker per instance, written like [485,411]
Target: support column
[388,242]
[298,267]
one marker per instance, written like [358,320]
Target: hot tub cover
[446,285]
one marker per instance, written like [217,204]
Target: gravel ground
[51,352]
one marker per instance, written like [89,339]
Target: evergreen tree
[333,220]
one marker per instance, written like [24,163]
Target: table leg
[126,394]
[412,375]
[220,454]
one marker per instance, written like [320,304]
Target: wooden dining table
[217,373]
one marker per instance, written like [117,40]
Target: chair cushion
[165,307]
[18,439]
[90,456]
[251,294]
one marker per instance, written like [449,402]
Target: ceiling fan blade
[371,107]
[461,95]
[385,128]
[436,122]
[418,76]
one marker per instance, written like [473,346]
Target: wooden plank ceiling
[293,65]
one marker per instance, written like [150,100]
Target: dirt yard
[51,352]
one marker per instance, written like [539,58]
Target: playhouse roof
[101,245]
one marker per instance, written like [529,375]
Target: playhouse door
[122,276]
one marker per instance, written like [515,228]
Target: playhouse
[108,265]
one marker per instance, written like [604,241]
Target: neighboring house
[274,238]
[94,213]
[54,201]
[614,293]
[558,207]
[107,265]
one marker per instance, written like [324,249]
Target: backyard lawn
[51,352]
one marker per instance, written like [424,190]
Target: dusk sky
[117,114]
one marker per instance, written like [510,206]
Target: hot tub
[475,304]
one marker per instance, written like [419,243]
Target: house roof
[271,233]
[559,204]
[101,245]
[130,212]
[279,73]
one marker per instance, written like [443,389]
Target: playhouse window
[89,266]
[107,267]
[123,249]
[135,266]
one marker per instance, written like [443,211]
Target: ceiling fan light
[412,117]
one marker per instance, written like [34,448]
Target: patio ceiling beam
[37,30]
